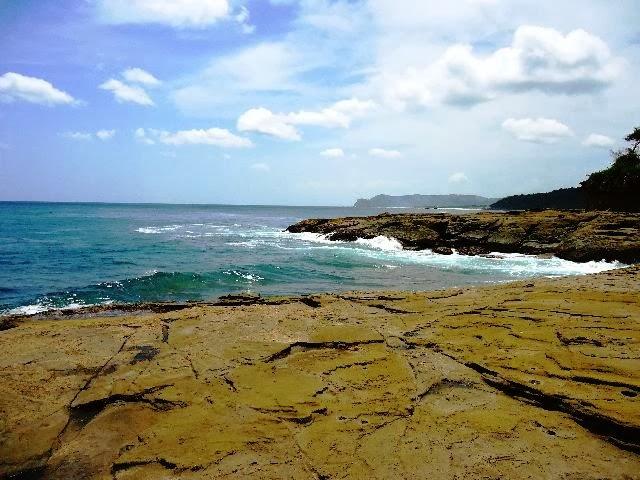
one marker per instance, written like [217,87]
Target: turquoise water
[69,255]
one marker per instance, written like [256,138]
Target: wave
[384,250]
[380,243]
[153,286]
[277,262]
[512,264]
[157,230]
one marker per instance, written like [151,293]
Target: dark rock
[573,235]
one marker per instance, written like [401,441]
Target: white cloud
[138,75]
[261,167]
[253,72]
[384,153]
[219,137]
[85,136]
[14,86]
[265,66]
[264,121]
[338,115]
[242,17]
[105,134]
[598,140]
[538,58]
[458,177]
[140,134]
[282,125]
[127,93]
[333,153]
[175,13]
[81,136]
[538,130]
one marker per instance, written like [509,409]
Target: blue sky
[309,101]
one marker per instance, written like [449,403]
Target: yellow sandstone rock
[534,379]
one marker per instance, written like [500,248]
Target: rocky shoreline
[572,235]
[533,379]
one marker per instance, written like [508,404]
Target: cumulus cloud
[133,91]
[138,75]
[538,58]
[105,134]
[537,130]
[219,137]
[333,153]
[338,115]
[264,121]
[458,177]
[283,125]
[260,167]
[599,141]
[127,93]
[174,13]
[14,86]
[384,153]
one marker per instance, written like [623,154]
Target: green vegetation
[617,187]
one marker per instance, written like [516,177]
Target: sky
[310,102]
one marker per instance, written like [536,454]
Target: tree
[617,187]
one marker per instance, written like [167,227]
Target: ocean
[56,255]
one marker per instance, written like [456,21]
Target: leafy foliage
[617,187]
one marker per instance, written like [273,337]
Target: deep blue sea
[56,255]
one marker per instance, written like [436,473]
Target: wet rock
[572,235]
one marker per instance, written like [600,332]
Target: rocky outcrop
[572,235]
[535,379]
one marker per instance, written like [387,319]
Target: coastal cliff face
[534,379]
[577,236]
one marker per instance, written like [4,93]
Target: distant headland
[424,201]
[614,188]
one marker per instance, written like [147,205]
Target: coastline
[579,236]
[537,374]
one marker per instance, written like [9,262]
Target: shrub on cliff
[563,199]
[617,187]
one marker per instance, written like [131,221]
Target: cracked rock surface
[536,379]
[572,235]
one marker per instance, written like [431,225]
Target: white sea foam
[247,244]
[380,243]
[246,276]
[157,230]
[27,310]
[39,308]
[311,237]
[516,265]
